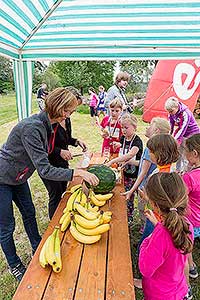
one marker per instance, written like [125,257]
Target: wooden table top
[101,271]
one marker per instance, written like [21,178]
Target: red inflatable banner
[179,78]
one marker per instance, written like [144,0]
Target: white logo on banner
[182,89]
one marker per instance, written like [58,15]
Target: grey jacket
[26,150]
[114,92]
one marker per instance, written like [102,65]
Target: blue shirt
[146,156]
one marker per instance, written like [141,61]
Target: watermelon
[107,179]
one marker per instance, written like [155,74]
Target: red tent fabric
[179,78]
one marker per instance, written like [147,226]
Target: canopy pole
[23,75]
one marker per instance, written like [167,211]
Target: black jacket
[63,139]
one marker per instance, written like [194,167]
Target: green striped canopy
[98,30]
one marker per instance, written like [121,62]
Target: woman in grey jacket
[25,151]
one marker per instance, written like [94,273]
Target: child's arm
[145,168]
[125,157]
[133,162]
[179,133]
[104,131]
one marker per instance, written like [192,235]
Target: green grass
[82,129]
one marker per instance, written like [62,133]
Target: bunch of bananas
[50,252]
[87,223]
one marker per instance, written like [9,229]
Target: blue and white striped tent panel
[112,29]
[23,71]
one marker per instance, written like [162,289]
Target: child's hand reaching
[116,145]
[142,194]
[127,194]
[104,133]
[150,215]
[108,164]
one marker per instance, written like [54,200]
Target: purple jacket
[185,121]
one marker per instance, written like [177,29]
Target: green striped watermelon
[107,179]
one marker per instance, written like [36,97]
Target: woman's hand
[87,176]
[82,145]
[66,154]
[150,215]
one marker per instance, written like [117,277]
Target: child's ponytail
[167,191]
[179,229]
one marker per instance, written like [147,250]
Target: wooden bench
[101,271]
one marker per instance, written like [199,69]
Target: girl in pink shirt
[191,179]
[164,253]
[93,105]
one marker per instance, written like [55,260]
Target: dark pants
[128,183]
[55,190]
[21,195]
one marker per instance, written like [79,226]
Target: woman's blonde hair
[164,147]
[168,192]
[171,103]
[130,118]
[116,102]
[161,124]
[58,100]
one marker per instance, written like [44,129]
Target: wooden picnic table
[101,271]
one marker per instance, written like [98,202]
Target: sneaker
[189,295]
[130,220]
[193,272]
[18,271]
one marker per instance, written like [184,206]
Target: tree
[84,74]
[51,79]
[141,72]
[6,75]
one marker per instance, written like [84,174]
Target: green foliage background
[84,74]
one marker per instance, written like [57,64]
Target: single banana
[42,258]
[49,252]
[90,215]
[65,210]
[106,218]
[91,207]
[83,198]
[95,201]
[88,223]
[58,266]
[105,197]
[71,200]
[94,231]
[85,239]
[63,217]
[108,212]
[75,187]
[66,221]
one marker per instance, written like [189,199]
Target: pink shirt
[93,100]
[162,267]
[192,181]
